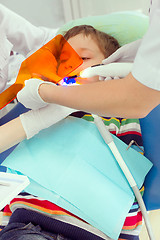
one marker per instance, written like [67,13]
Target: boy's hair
[106,43]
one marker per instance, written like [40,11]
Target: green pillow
[125,26]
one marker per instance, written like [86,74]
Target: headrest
[125,26]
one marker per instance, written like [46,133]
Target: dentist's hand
[29,95]
[125,53]
[34,121]
[108,71]
[118,65]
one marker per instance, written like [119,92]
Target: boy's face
[88,50]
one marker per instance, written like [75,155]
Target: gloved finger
[30,85]
[22,94]
[108,78]
[29,95]
[101,78]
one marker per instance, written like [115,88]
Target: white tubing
[144,212]
[109,141]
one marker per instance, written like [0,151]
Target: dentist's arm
[124,97]
[24,36]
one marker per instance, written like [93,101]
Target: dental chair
[151,141]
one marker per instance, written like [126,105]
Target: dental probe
[110,69]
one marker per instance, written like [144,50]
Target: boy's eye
[85,58]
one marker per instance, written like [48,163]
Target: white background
[54,13]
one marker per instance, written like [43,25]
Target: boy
[92,46]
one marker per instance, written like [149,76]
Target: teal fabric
[75,169]
[125,26]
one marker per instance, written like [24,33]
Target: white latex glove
[29,95]
[125,53]
[35,120]
[108,71]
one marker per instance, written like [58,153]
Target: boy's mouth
[71,80]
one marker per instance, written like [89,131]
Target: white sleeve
[22,34]
[36,120]
[5,49]
[146,68]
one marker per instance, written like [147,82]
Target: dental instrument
[71,80]
[123,69]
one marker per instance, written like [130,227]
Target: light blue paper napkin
[71,161]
